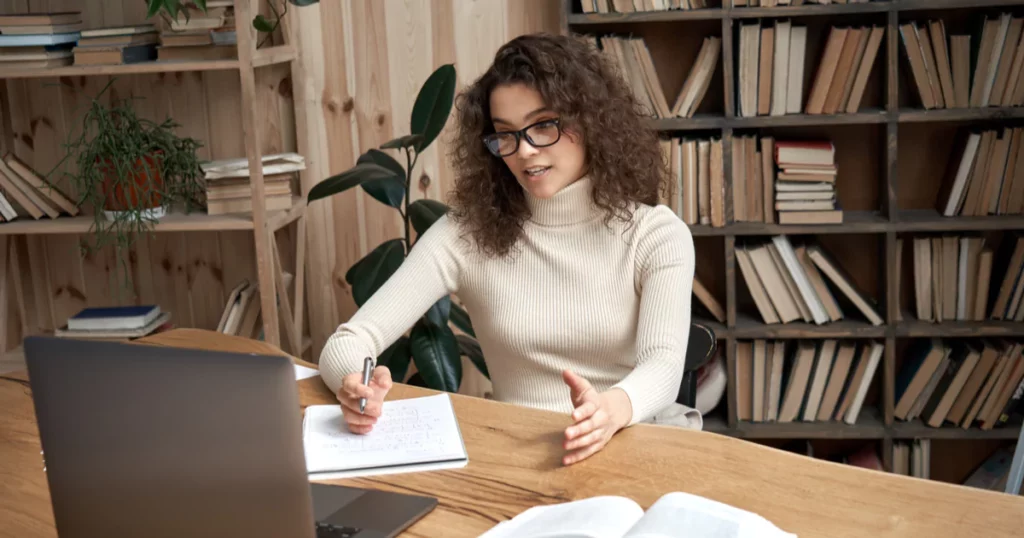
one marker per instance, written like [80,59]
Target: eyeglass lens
[538,135]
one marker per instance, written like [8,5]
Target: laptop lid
[156,441]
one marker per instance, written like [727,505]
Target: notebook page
[596,517]
[412,431]
[682,515]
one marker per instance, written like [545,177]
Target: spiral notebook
[416,434]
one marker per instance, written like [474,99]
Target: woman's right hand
[352,389]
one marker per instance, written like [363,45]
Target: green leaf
[348,179]
[201,4]
[154,7]
[260,23]
[438,313]
[173,7]
[388,191]
[436,354]
[471,349]
[303,3]
[433,105]
[406,141]
[396,358]
[423,213]
[367,275]
[461,320]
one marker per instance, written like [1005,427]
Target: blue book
[113,318]
[35,40]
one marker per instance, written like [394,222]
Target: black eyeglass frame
[520,135]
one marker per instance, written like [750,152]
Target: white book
[797,52]
[780,65]
[807,292]
[956,193]
[416,434]
[858,400]
[674,514]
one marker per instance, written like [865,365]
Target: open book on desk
[674,515]
[417,434]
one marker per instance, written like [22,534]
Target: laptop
[154,441]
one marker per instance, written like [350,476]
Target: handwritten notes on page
[416,434]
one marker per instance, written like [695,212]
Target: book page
[596,517]
[412,431]
[682,515]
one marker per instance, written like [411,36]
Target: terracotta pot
[142,191]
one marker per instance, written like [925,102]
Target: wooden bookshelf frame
[262,223]
[873,423]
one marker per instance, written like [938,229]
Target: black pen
[367,370]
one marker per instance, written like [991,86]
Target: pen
[367,369]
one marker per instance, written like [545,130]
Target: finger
[361,430]
[352,404]
[360,391]
[354,417]
[382,377]
[582,454]
[577,385]
[586,440]
[583,428]
[584,411]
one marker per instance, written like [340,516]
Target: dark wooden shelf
[911,328]
[913,115]
[580,19]
[699,122]
[930,220]
[920,5]
[867,117]
[808,10]
[854,222]
[917,429]
[704,230]
[749,328]
[869,426]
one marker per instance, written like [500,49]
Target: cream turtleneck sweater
[610,303]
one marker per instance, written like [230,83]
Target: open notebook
[674,515]
[417,434]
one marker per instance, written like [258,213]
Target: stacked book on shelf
[116,45]
[118,323]
[770,73]
[38,40]
[241,314]
[228,189]
[634,60]
[844,69]
[985,175]
[804,380]
[26,194]
[960,382]
[195,35]
[698,179]
[792,283]
[940,65]
[805,183]
[753,179]
[912,458]
[632,6]
[787,3]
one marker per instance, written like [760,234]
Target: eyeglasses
[539,135]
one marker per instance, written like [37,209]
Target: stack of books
[788,283]
[698,179]
[637,68]
[988,176]
[941,66]
[811,381]
[844,69]
[117,323]
[117,45]
[196,35]
[24,193]
[631,6]
[38,40]
[241,314]
[960,382]
[228,189]
[805,185]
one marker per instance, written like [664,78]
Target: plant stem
[409,164]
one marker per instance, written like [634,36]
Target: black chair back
[699,350]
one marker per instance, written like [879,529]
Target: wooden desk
[514,456]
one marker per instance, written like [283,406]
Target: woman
[578,285]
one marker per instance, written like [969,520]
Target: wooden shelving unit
[885,222]
[262,223]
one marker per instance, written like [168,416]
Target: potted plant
[169,10]
[431,345]
[129,171]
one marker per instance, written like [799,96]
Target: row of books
[960,382]
[634,60]
[228,187]
[26,194]
[940,65]
[804,380]
[786,3]
[987,177]
[951,277]
[799,283]
[697,176]
[912,458]
[632,6]
[844,69]
[241,314]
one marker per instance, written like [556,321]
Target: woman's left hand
[597,417]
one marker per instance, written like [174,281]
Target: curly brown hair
[587,90]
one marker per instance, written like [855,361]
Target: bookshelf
[279,318]
[882,132]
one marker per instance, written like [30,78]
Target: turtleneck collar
[571,205]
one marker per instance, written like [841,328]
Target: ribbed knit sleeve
[429,272]
[665,264]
